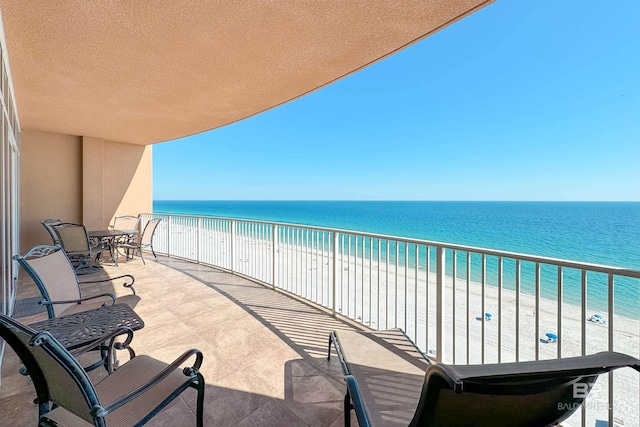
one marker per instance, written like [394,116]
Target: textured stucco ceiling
[149,71]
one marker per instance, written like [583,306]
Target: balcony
[264,351]
[262,316]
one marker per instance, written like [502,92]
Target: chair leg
[43,408]
[200,403]
[154,253]
[142,257]
[85,267]
[84,263]
[347,410]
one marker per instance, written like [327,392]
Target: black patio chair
[126,223]
[130,396]
[143,241]
[391,383]
[57,281]
[48,225]
[74,240]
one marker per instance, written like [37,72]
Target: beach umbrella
[551,336]
[487,316]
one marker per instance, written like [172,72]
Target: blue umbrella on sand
[551,337]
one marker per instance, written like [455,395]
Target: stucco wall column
[93,186]
[50,183]
[116,180]
[80,179]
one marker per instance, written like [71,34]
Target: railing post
[199,228]
[274,254]
[611,305]
[335,272]
[537,312]
[440,280]
[168,235]
[232,247]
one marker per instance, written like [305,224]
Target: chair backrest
[73,238]
[56,375]
[511,394]
[127,223]
[149,231]
[48,225]
[54,275]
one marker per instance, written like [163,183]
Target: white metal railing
[499,308]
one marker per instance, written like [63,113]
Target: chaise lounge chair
[129,396]
[597,318]
[391,383]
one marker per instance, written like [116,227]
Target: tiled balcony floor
[264,351]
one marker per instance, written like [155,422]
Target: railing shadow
[301,325]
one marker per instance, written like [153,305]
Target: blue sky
[523,100]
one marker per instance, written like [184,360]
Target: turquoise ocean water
[596,232]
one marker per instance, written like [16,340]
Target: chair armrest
[356,399]
[111,336]
[129,245]
[129,280]
[445,373]
[189,371]
[79,300]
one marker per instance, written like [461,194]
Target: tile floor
[264,351]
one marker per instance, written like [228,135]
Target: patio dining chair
[131,395]
[48,225]
[57,281]
[143,241]
[74,240]
[127,223]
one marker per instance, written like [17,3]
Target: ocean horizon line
[395,201]
[602,233]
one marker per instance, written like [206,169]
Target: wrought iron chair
[74,240]
[51,270]
[131,395]
[48,225]
[391,383]
[128,223]
[143,241]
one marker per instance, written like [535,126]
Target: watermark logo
[580,392]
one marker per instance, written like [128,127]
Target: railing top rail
[618,271]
